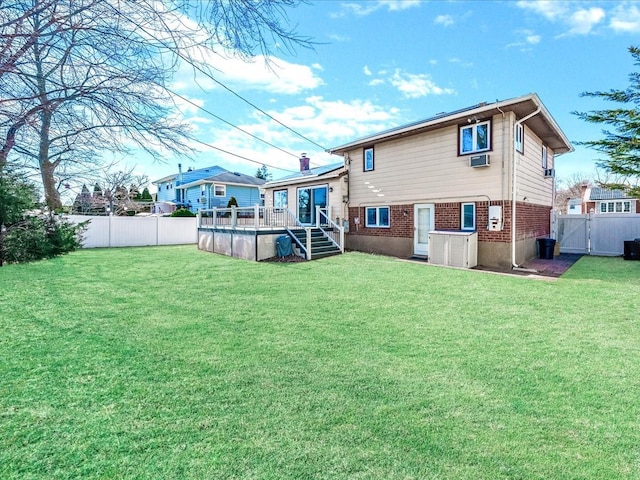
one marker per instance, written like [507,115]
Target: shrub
[39,237]
[183,212]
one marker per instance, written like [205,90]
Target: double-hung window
[219,190]
[468,216]
[377,217]
[475,138]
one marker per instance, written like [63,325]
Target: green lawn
[173,363]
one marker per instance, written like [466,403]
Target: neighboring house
[602,200]
[324,187]
[574,206]
[487,169]
[205,188]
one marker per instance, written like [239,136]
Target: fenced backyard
[358,366]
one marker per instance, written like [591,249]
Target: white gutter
[513,190]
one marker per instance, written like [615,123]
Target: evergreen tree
[621,144]
[263,173]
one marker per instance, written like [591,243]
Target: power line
[208,112]
[242,157]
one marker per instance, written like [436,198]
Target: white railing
[335,232]
[272,218]
[249,218]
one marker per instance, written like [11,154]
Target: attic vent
[236,174]
[549,172]
[479,161]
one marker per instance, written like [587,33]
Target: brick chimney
[304,163]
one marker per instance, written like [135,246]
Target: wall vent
[549,172]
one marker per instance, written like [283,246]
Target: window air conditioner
[549,172]
[479,161]
[203,200]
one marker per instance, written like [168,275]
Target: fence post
[234,216]
[256,216]
[214,217]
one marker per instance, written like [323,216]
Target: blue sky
[381,64]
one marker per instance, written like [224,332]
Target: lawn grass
[169,362]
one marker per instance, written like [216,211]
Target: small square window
[378,217]
[368,159]
[468,216]
[219,190]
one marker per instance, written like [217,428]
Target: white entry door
[423,223]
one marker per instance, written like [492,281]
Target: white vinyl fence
[137,231]
[597,234]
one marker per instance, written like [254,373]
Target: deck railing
[249,218]
[271,218]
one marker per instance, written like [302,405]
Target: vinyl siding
[531,182]
[245,196]
[426,168]
[339,186]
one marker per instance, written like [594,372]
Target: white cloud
[625,19]
[527,39]
[366,71]
[578,19]
[376,81]
[367,8]
[279,76]
[329,123]
[582,21]
[551,10]
[444,20]
[417,85]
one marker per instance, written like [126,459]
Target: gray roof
[598,193]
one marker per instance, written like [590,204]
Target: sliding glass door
[308,199]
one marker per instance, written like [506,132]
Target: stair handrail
[292,218]
[321,213]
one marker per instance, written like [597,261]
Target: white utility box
[453,248]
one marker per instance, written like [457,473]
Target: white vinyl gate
[596,234]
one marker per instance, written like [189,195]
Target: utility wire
[242,157]
[208,112]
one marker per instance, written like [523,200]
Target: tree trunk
[51,194]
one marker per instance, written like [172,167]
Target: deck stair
[321,244]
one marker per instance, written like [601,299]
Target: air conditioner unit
[203,200]
[479,161]
[549,172]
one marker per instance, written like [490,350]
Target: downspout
[513,190]
[502,168]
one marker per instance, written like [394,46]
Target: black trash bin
[632,249]
[545,248]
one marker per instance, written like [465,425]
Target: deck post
[308,229]
[256,216]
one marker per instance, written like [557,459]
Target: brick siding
[533,221]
